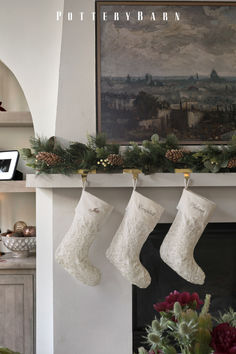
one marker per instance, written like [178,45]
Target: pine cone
[232,163]
[49,158]
[115,160]
[174,155]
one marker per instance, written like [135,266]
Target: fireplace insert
[216,255]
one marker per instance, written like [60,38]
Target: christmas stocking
[72,252]
[141,216]
[178,246]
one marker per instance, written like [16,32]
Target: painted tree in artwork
[146,105]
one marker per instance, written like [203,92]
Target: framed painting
[8,164]
[166,68]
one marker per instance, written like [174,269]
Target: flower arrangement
[181,328]
[154,155]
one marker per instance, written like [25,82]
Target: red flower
[185,299]
[224,339]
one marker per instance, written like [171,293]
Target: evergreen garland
[154,155]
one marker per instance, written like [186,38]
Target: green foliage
[206,306]
[214,158]
[228,317]
[133,156]
[150,157]
[171,142]
[70,158]
[90,160]
[77,152]
[98,141]
[177,310]
[7,351]
[142,351]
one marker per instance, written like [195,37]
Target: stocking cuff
[145,207]
[89,204]
[194,204]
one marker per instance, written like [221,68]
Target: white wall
[76,116]
[30,40]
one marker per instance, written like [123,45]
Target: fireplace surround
[215,253]
[104,311]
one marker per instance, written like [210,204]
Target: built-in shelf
[16,119]
[118,180]
[15,187]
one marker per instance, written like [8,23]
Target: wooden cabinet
[17,304]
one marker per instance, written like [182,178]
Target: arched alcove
[11,93]
[16,129]
[14,109]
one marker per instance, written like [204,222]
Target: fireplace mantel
[119,180]
[62,298]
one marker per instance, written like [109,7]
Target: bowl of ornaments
[21,240]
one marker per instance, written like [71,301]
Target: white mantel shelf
[118,180]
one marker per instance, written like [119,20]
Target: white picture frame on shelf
[8,163]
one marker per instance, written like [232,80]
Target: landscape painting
[166,68]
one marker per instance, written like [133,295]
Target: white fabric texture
[178,246]
[72,253]
[141,216]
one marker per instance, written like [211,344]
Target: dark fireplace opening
[216,255]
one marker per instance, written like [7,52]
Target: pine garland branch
[152,156]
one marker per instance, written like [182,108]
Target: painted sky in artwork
[203,39]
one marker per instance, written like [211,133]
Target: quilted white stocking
[141,216]
[72,253]
[178,246]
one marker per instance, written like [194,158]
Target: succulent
[153,338]
[177,309]
[156,326]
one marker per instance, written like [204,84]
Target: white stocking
[178,246]
[72,253]
[141,216]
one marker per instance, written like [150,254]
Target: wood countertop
[9,262]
